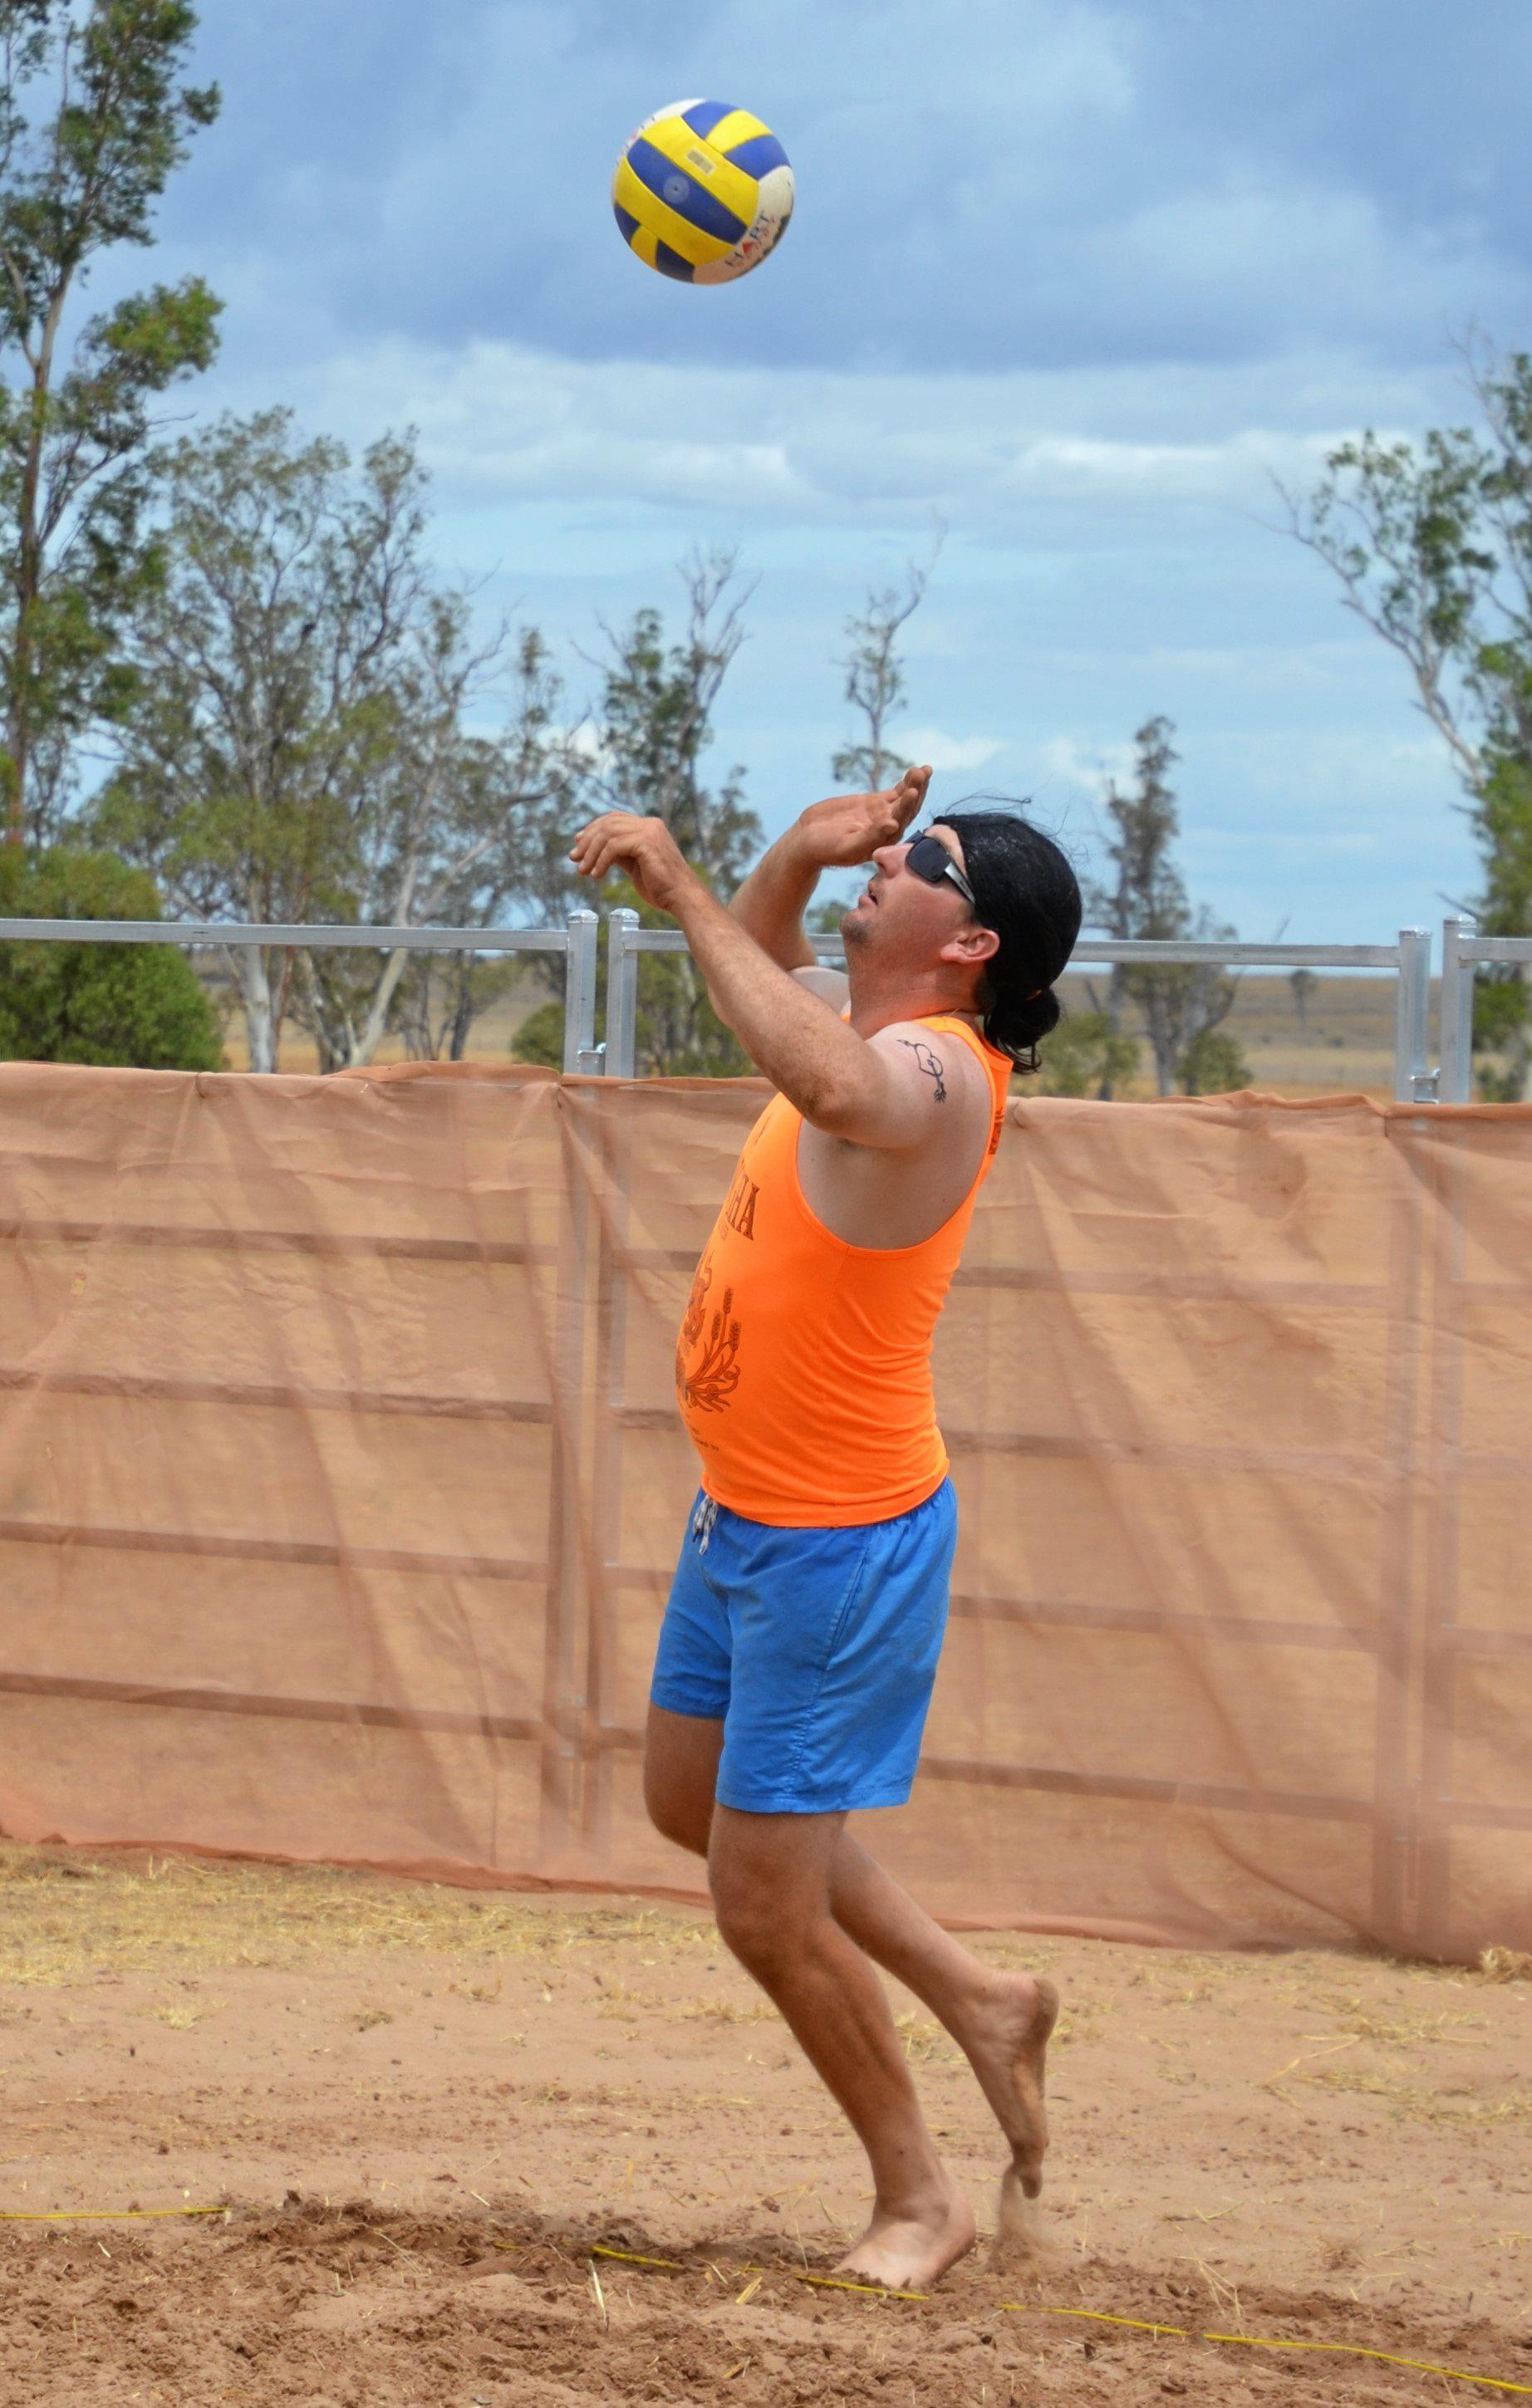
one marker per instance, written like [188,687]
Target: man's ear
[971,946]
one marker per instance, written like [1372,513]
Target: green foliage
[1432,545]
[644,751]
[541,1037]
[1213,1064]
[1147,899]
[262,709]
[125,1005]
[1085,1055]
[654,724]
[452,826]
[299,747]
[1502,1019]
[81,176]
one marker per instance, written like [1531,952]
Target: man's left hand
[643,849]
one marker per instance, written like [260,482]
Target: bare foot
[907,2252]
[1004,2034]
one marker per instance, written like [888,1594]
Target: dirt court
[421,2109]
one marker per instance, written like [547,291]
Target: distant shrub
[127,1007]
[1084,1054]
[1213,1064]
[540,1036]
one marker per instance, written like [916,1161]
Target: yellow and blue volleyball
[702,192]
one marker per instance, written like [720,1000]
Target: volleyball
[702,192]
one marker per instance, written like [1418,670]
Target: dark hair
[1027,892]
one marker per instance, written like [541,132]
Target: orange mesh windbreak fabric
[341,1479]
[803,1365]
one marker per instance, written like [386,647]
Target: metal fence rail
[1462,950]
[577,940]
[1409,958]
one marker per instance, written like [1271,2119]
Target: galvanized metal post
[611,1124]
[1456,1011]
[621,994]
[1395,1791]
[581,1052]
[563,1700]
[1412,1012]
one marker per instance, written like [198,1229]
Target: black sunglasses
[930,860]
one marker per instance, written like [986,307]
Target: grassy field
[490,1041]
[1342,1043]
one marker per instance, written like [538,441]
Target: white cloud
[1000,455]
[1084,767]
[1236,466]
[951,751]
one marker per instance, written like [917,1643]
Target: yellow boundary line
[1099,2316]
[877,2291]
[100,2214]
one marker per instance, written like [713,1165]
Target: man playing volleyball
[801,1638]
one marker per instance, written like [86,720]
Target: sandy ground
[422,2109]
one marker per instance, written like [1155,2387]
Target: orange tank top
[803,1368]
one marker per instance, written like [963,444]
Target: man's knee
[769,1875]
[764,1918]
[748,1924]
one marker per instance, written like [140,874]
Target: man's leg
[680,1774]
[1000,2020]
[770,1881]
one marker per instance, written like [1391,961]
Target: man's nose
[889,857]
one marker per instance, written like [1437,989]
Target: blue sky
[1077,278]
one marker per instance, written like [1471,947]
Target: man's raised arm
[836,834]
[773,899]
[839,1081]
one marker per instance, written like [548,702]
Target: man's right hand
[845,829]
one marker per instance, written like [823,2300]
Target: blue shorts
[816,1649]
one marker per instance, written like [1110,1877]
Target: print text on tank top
[802,1365]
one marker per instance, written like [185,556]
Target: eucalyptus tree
[1145,897]
[653,722]
[302,744]
[95,119]
[455,830]
[875,677]
[262,661]
[1431,543]
[644,746]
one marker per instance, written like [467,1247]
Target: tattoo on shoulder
[929,1063]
